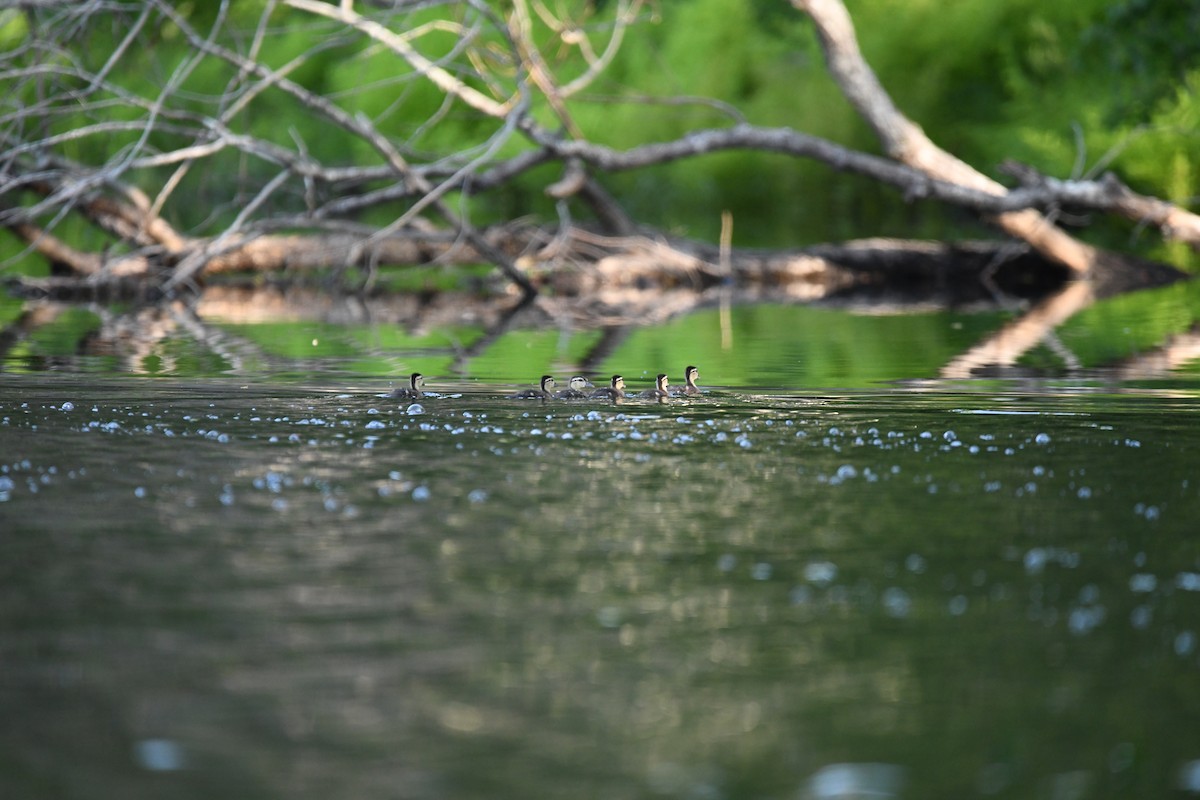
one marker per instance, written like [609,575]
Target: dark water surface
[215,588]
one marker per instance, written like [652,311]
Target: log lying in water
[580,262]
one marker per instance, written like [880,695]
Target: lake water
[264,585]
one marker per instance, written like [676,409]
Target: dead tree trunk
[496,74]
[906,142]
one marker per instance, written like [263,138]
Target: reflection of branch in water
[132,337]
[491,334]
[1003,348]
[1056,346]
[31,318]
[610,339]
[1160,362]
[237,351]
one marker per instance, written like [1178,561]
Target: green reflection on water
[804,346]
[316,594]
[747,346]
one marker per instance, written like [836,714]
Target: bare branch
[440,77]
[907,143]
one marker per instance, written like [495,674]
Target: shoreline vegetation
[107,225]
[294,160]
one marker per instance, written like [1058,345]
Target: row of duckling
[579,388]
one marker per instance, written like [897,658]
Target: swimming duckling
[690,388]
[616,391]
[414,390]
[576,389]
[537,394]
[659,392]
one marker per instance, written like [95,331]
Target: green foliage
[1062,86]
[13,28]
[1071,88]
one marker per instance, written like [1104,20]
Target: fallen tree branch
[296,212]
[1109,194]
[904,140]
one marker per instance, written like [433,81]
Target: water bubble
[1142,582]
[1083,620]
[915,563]
[414,409]
[477,496]
[761,571]
[1189,777]
[1185,643]
[375,424]
[855,780]
[158,755]
[421,494]
[609,617]
[1035,560]
[958,605]
[139,492]
[1188,581]
[67,406]
[1141,617]
[1042,438]
[727,562]
[896,602]
[821,573]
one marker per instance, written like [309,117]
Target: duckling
[690,388]
[575,390]
[615,391]
[537,394]
[659,392]
[414,390]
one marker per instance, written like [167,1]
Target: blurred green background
[1071,88]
